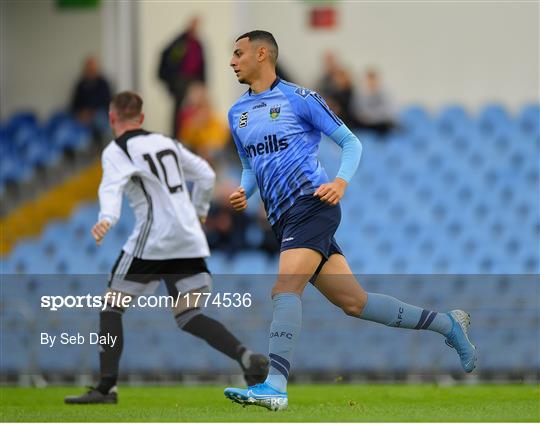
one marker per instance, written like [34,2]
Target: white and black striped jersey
[152,170]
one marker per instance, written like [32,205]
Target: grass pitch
[312,403]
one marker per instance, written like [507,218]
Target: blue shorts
[309,223]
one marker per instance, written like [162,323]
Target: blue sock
[392,312]
[284,332]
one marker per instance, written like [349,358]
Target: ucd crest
[274,111]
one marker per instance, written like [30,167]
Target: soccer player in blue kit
[277,128]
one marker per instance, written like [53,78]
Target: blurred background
[444,210]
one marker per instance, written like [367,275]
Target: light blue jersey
[277,132]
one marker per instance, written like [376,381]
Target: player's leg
[338,284]
[130,277]
[110,326]
[296,266]
[190,318]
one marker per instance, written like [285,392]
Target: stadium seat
[14,170]
[529,119]
[492,117]
[40,152]
[20,120]
[453,118]
[56,120]
[70,135]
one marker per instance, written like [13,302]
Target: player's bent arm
[248,181]
[332,192]
[116,174]
[313,109]
[351,152]
[197,170]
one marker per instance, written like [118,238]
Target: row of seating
[27,144]
[489,120]
[406,210]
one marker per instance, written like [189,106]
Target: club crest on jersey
[274,111]
[243,120]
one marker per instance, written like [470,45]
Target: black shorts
[309,223]
[137,276]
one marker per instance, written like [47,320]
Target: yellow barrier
[29,219]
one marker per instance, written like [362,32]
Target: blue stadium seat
[249,263]
[453,118]
[55,120]
[20,120]
[70,135]
[13,169]
[40,152]
[529,119]
[492,117]
[15,353]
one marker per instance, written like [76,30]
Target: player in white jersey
[167,243]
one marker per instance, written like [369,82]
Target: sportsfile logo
[115,300]
[270,145]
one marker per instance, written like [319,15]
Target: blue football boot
[260,395]
[458,338]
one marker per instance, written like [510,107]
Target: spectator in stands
[336,87]
[91,97]
[230,232]
[225,230]
[182,63]
[200,127]
[373,106]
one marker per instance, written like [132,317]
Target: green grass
[335,403]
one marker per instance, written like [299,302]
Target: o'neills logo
[270,145]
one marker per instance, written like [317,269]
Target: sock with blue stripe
[284,332]
[392,312]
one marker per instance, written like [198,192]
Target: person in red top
[182,63]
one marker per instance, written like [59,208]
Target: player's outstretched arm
[117,171]
[197,170]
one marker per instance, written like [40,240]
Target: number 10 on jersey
[168,161]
